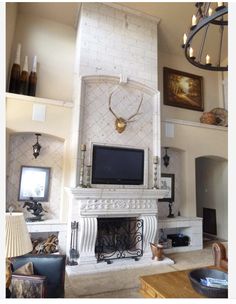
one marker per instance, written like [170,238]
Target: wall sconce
[36,147]
[166,158]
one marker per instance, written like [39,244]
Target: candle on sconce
[83,147]
[210,12]
[184,38]
[191,52]
[219,4]
[208,58]
[194,20]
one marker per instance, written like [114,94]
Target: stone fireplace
[116,50]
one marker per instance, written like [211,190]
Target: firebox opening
[119,238]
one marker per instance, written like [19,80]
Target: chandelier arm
[221,41]
[202,44]
[203,22]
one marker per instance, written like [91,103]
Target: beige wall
[11,15]
[212,99]
[54,45]
[195,141]
[212,186]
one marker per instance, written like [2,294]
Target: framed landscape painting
[183,90]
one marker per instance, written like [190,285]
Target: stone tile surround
[113,40]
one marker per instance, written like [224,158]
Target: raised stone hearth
[87,205]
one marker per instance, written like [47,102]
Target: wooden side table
[174,284]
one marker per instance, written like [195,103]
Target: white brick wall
[112,42]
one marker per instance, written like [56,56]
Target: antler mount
[121,123]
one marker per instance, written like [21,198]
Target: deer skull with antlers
[121,123]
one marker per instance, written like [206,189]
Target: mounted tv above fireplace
[117,165]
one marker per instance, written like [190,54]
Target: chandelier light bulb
[208,59]
[191,52]
[194,20]
[184,38]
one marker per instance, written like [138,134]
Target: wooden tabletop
[174,284]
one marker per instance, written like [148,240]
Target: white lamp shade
[17,236]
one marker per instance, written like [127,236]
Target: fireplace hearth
[119,238]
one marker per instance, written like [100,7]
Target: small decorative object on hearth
[210,24]
[36,146]
[155,163]
[157,251]
[81,177]
[36,210]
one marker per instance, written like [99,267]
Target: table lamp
[17,240]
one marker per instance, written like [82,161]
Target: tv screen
[117,166]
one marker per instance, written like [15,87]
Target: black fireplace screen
[119,238]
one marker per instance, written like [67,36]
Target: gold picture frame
[183,90]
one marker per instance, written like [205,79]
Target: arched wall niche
[19,152]
[212,190]
[176,165]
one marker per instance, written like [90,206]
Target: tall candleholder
[88,176]
[155,163]
[81,177]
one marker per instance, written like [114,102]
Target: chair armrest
[219,255]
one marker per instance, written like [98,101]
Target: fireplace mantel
[115,202]
[135,193]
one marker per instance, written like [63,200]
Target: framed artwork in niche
[168,183]
[183,90]
[34,183]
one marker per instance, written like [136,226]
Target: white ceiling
[175,18]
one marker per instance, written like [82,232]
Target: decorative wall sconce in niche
[36,146]
[166,158]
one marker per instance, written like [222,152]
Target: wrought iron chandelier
[210,16]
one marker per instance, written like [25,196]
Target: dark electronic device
[179,239]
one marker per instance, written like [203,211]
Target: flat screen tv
[117,165]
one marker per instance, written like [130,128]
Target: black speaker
[179,239]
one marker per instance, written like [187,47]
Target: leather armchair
[50,266]
[220,256]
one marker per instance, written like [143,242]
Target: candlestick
[88,177]
[194,20]
[210,12]
[81,178]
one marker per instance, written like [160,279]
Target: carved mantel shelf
[95,193]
